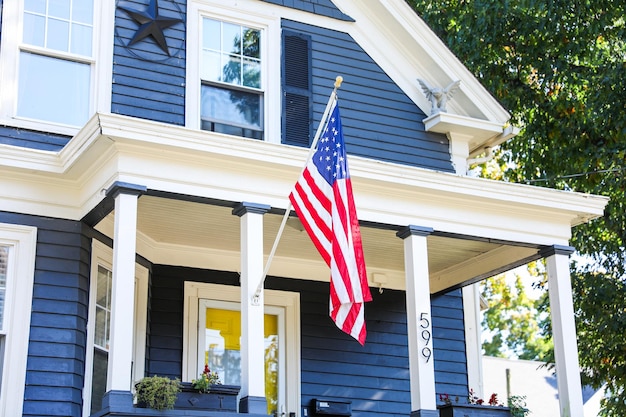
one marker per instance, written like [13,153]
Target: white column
[471,315]
[252,332]
[123,290]
[419,321]
[564,331]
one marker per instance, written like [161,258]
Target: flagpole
[333,95]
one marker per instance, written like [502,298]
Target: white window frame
[288,303]
[253,14]
[102,255]
[22,241]
[101,66]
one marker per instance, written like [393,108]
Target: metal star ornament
[150,24]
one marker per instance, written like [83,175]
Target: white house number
[426,336]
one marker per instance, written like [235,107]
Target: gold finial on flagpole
[338,81]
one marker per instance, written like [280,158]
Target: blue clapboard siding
[320,7]
[374,377]
[165,310]
[379,120]
[56,352]
[147,83]
[31,139]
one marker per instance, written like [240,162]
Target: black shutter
[296,80]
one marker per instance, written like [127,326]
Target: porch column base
[253,405]
[425,413]
[116,400]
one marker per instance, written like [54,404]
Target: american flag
[323,200]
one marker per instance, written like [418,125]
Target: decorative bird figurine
[439,96]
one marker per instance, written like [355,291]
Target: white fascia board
[412,50]
[199,163]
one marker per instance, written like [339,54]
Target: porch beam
[252,314]
[419,321]
[125,195]
[564,331]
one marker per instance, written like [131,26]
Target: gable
[379,120]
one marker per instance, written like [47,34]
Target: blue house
[147,151]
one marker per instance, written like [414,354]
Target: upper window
[49,64]
[233,75]
[232,98]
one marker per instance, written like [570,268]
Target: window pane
[103,284]
[251,73]
[231,38]
[211,68]
[59,8]
[53,89]
[81,39]
[211,34]
[36,6]
[103,307]
[82,11]
[232,70]
[4,264]
[99,380]
[58,35]
[34,33]
[101,336]
[231,107]
[251,43]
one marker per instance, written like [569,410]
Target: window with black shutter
[296,80]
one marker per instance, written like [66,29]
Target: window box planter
[473,410]
[219,398]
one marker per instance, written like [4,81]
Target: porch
[424,234]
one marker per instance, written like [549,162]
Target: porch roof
[194,178]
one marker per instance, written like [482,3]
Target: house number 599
[426,336]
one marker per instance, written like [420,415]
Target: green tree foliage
[514,321]
[558,66]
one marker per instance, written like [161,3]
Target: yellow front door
[222,350]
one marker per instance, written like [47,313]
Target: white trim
[288,301]
[101,66]
[22,241]
[270,60]
[102,255]
[473,347]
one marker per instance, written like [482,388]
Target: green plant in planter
[157,392]
[207,378]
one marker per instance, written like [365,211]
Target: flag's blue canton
[330,156]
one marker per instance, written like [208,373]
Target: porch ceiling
[208,237]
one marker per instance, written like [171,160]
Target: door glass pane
[222,350]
